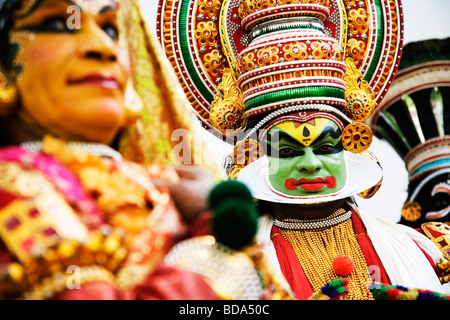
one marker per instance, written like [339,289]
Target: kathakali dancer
[414,119]
[290,85]
[78,218]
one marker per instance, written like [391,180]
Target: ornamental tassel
[389,292]
[334,290]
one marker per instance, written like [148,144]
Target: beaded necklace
[294,224]
[317,243]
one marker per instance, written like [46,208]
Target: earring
[8,96]
[133,106]
[245,152]
[369,193]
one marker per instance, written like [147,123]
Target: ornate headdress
[243,63]
[414,119]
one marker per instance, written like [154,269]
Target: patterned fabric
[67,208]
[166,109]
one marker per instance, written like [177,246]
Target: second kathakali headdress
[414,118]
[244,63]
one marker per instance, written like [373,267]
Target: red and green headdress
[243,63]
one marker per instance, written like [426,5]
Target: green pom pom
[379,291]
[235,220]
[235,223]
[229,190]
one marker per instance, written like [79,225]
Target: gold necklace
[335,218]
[317,248]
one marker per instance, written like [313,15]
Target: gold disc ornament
[411,211]
[227,117]
[358,108]
[247,151]
[357,137]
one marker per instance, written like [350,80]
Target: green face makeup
[306,158]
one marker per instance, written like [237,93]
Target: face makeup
[306,158]
[77,74]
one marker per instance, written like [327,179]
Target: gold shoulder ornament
[227,109]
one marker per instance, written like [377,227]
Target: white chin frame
[362,174]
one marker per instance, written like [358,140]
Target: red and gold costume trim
[294,272]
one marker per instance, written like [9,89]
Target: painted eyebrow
[334,134]
[283,135]
[38,4]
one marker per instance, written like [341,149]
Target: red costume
[292,270]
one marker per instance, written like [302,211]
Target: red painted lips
[316,184]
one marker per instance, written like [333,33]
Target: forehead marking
[304,132]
